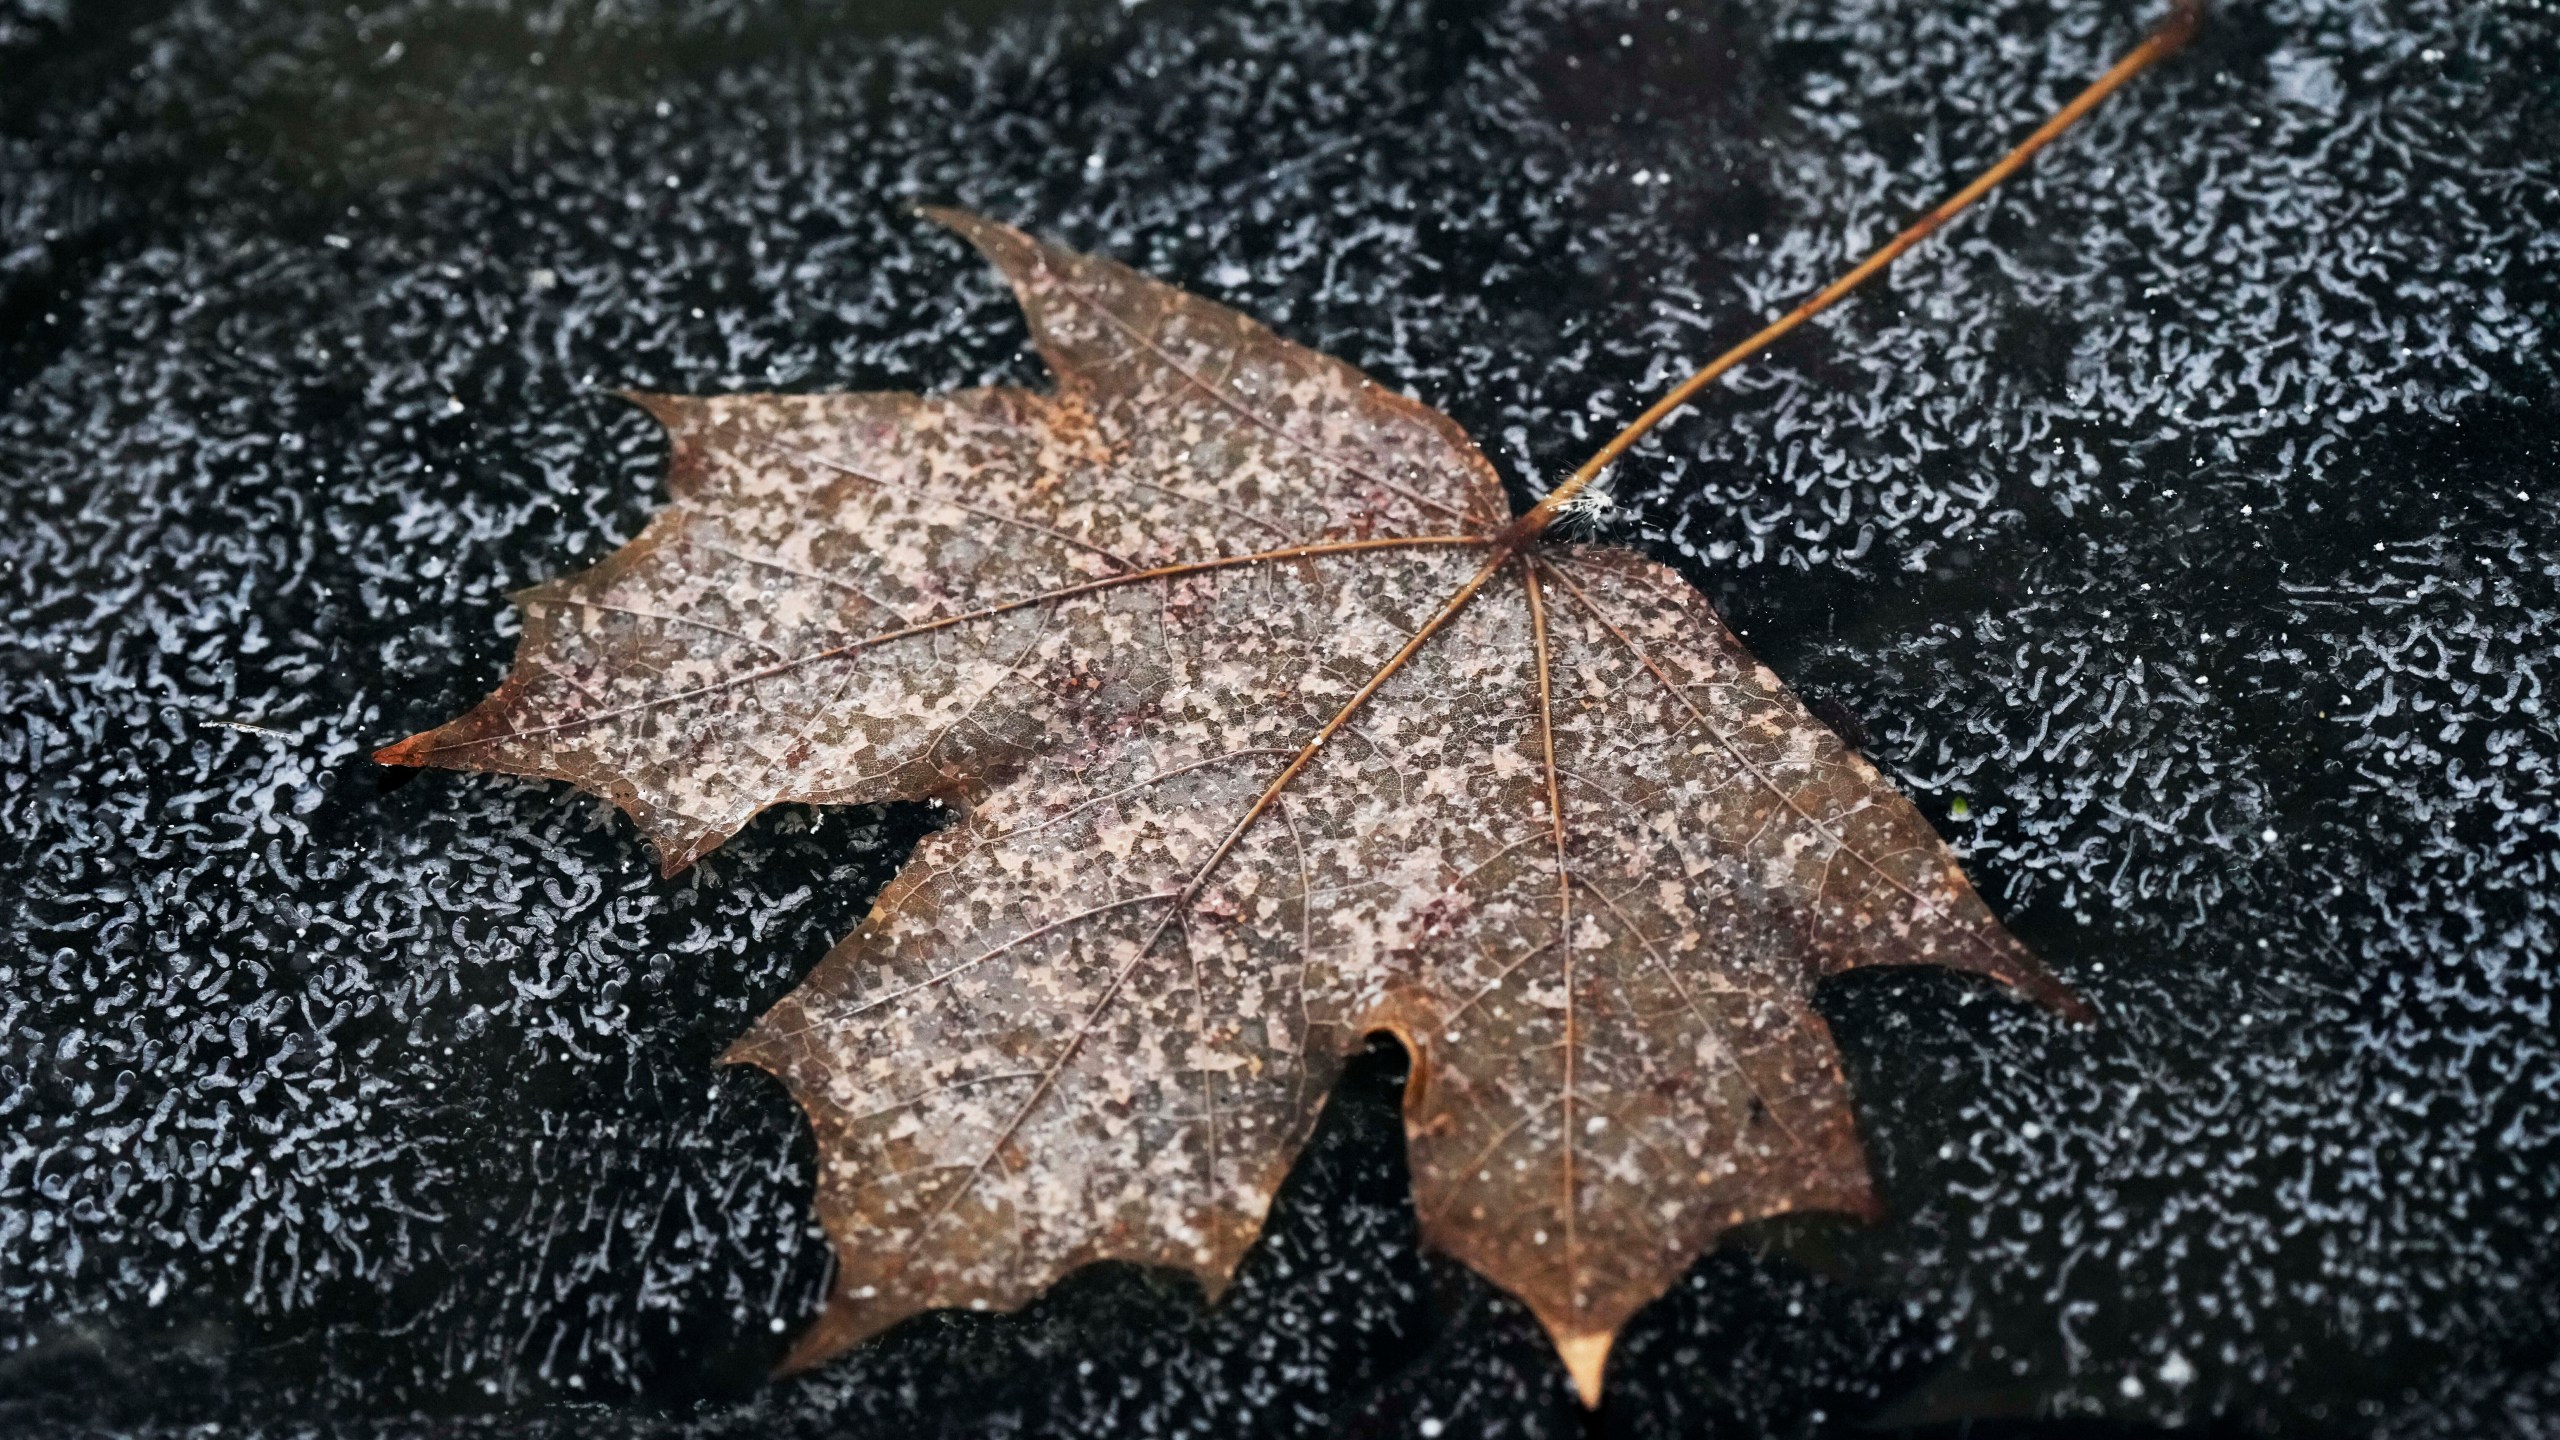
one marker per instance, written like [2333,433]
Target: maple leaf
[1270,727]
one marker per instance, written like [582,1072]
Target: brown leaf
[1581,853]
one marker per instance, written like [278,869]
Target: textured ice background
[2178,530]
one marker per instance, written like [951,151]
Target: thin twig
[2162,42]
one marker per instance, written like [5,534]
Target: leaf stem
[2173,32]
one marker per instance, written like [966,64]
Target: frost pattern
[2298,1177]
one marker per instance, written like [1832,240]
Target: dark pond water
[2178,531]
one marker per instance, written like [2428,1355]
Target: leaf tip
[2044,989]
[665,409]
[1012,252]
[817,1345]
[1585,1357]
[411,752]
[974,228]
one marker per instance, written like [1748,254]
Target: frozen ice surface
[2181,522]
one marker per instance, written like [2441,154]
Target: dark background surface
[2177,530]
